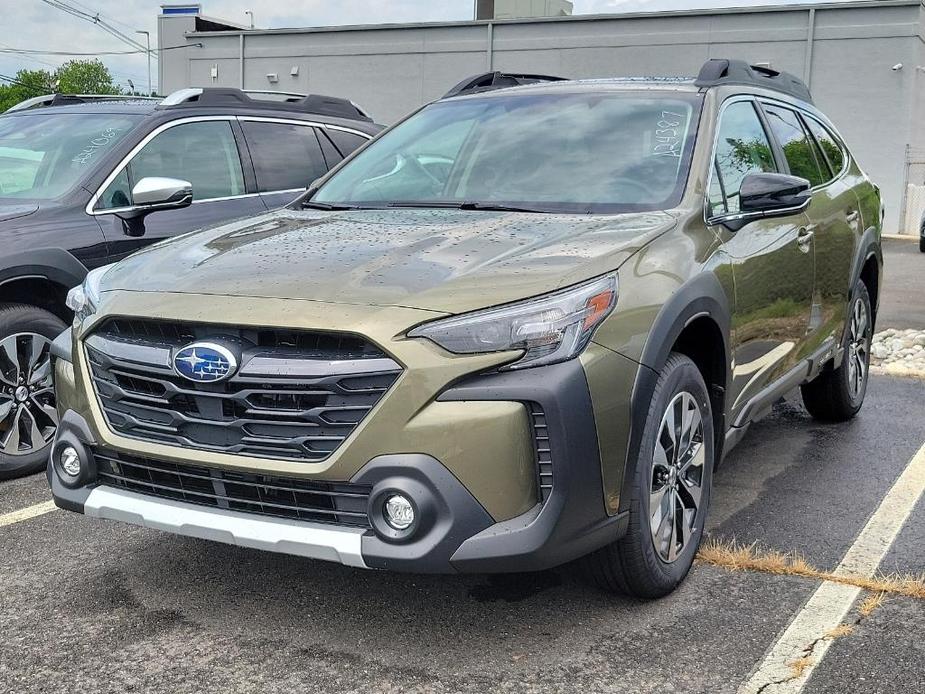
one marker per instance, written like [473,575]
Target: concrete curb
[900,237]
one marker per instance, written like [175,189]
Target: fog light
[69,460]
[399,512]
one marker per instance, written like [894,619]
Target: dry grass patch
[840,631]
[734,556]
[799,666]
[871,603]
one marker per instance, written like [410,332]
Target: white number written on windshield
[99,142]
[669,134]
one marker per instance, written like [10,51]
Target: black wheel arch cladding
[702,296]
[54,264]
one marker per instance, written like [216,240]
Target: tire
[27,398]
[634,565]
[836,395]
[922,244]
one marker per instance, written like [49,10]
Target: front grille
[296,396]
[543,452]
[312,344]
[322,502]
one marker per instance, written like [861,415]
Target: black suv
[80,179]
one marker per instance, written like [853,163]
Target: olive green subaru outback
[520,328]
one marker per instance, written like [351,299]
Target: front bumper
[313,540]
[455,532]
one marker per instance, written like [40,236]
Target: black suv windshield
[43,155]
[566,152]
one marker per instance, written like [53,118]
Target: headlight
[84,299]
[549,329]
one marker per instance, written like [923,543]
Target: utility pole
[148,40]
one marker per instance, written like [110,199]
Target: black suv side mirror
[773,192]
[151,194]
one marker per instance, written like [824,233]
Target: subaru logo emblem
[205,362]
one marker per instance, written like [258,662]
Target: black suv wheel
[671,491]
[28,419]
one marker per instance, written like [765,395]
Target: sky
[37,25]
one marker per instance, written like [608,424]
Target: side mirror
[770,193]
[764,195]
[157,193]
[151,194]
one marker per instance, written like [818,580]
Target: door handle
[804,238]
[852,217]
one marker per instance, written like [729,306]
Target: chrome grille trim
[281,404]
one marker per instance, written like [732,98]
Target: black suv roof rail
[719,71]
[488,81]
[280,101]
[67,99]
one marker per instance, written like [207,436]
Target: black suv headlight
[551,328]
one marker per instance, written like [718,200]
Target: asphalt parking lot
[89,606]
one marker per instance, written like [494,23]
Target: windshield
[569,152]
[42,156]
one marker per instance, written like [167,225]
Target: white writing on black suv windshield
[97,143]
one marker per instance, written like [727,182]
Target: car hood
[10,211]
[446,261]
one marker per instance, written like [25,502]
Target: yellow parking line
[27,513]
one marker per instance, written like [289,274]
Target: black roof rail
[719,71]
[497,80]
[301,103]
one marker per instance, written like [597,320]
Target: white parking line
[825,610]
[27,513]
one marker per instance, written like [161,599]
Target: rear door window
[799,150]
[286,156]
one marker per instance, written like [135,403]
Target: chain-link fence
[913,192]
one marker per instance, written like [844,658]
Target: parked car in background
[518,329]
[87,180]
[922,235]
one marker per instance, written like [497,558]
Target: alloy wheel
[28,418]
[859,329]
[677,477]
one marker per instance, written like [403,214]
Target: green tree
[85,77]
[74,77]
[27,84]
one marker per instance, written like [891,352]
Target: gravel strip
[899,349]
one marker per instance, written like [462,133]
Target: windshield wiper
[498,207]
[326,206]
[482,206]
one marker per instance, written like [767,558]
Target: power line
[13,80]
[94,19]
[26,57]
[34,51]
[97,21]
[99,14]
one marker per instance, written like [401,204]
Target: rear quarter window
[831,148]
[346,142]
